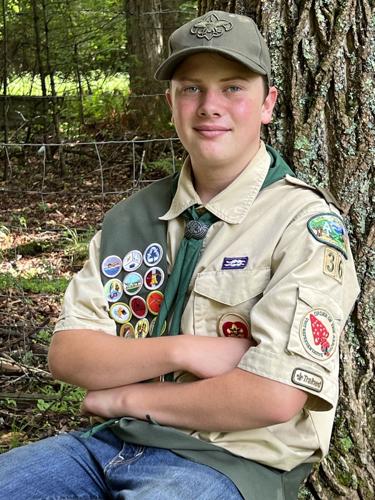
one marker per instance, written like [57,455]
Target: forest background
[83,124]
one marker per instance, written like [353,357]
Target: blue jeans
[104,467]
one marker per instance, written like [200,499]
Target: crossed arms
[225,398]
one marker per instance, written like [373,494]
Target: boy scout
[227,287]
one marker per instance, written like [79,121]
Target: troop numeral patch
[333,264]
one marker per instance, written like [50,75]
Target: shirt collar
[233,203]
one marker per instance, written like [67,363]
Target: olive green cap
[231,35]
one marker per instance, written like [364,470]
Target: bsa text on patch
[307,379]
[234,262]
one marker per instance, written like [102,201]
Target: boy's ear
[168,97]
[268,105]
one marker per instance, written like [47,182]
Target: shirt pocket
[315,332]
[217,293]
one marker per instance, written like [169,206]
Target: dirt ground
[46,222]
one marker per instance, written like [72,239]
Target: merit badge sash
[133,258]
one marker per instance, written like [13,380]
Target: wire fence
[104,171]
[40,154]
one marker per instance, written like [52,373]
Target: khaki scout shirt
[288,275]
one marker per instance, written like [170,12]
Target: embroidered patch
[333,264]
[211,26]
[111,266]
[133,282]
[154,278]
[318,334]
[120,312]
[142,328]
[132,260]
[234,325]
[154,301]
[127,331]
[234,262]
[138,306]
[307,379]
[153,254]
[113,290]
[329,229]
[152,326]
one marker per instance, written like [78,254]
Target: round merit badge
[318,334]
[127,331]
[133,282]
[152,326]
[113,290]
[120,312]
[111,266]
[138,306]
[132,260]
[154,301]
[154,278]
[153,254]
[234,325]
[142,328]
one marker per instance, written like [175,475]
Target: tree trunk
[42,73]
[148,25]
[323,58]
[55,110]
[5,89]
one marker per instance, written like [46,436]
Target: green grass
[75,243]
[33,284]
[27,85]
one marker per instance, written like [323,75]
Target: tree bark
[148,25]
[55,109]
[42,73]
[323,58]
[5,88]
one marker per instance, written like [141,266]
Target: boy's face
[218,107]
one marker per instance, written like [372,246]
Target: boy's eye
[233,88]
[192,89]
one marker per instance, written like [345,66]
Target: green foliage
[19,221]
[44,336]
[82,33]
[68,399]
[163,165]
[34,284]
[76,243]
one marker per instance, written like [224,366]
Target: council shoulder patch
[318,334]
[329,228]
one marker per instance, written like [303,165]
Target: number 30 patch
[333,264]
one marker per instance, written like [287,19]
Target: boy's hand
[207,357]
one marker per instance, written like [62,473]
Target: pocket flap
[314,298]
[232,287]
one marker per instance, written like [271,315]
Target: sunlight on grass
[33,284]
[26,84]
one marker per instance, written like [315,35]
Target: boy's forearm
[95,360]
[234,401]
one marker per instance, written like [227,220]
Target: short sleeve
[298,321]
[84,305]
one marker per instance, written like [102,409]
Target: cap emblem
[211,26]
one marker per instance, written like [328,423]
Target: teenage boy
[227,287]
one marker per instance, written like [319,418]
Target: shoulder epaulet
[327,195]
